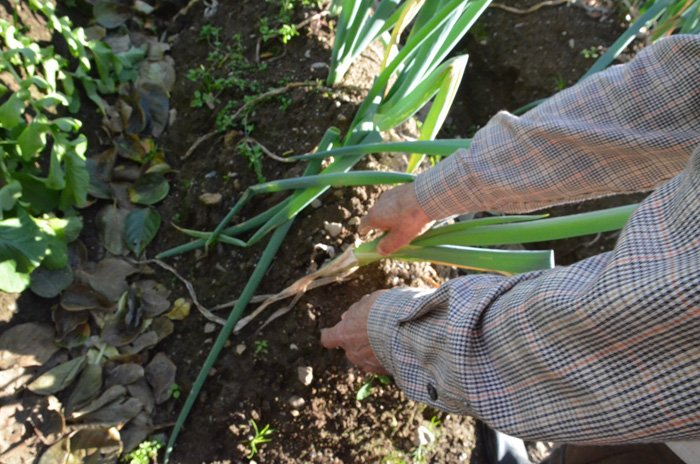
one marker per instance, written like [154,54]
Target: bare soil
[514,59]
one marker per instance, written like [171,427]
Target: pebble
[209,327]
[341,117]
[294,413]
[424,437]
[333,228]
[209,175]
[297,402]
[306,374]
[572,43]
[316,204]
[212,371]
[319,65]
[210,198]
[354,221]
[240,349]
[293,347]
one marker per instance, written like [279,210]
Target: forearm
[601,351]
[626,129]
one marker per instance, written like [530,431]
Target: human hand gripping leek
[398,212]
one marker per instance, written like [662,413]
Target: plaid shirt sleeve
[626,129]
[603,351]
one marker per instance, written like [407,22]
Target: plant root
[335,271]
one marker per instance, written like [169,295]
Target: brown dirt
[514,60]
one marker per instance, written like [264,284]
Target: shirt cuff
[444,190]
[386,314]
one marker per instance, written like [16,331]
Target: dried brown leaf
[26,345]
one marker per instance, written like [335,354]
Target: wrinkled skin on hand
[398,212]
[350,334]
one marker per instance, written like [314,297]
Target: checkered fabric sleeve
[626,129]
[603,351]
[606,350]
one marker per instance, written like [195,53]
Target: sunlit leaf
[180,310]
[364,392]
[22,248]
[32,139]
[58,378]
[25,345]
[140,228]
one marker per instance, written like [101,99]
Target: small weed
[366,389]
[187,183]
[284,103]
[254,155]
[260,348]
[210,34]
[590,53]
[146,453]
[174,391]
[560,82]
[260,437]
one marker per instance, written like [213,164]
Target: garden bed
[280,375]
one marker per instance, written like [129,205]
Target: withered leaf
[110,225]
[67,321]
[109,278]
[88,386]
[160,373]
[47,420]
[116,413]
[142,392]
[136,431]
[96,445]
[26,345]
[108,396]
[154,298]
[127,322]
[79,297]
[124,374]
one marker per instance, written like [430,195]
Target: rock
[424,436]
[210,199]
[294,413]
[354,221]
[240,349]
[209,327]
[306,375]
[316,204]
[341,117]
[333,228]
[297,402]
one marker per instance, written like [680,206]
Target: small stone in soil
[294,413]
[316,203]
[240,349]
[306,374]
[297,402]
[354,221]
[333,228]
[209,327]
[209,199]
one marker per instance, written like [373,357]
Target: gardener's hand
[398,212]
[351,335]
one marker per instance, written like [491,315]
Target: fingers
[368,223]
[393,241]
[330,338]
